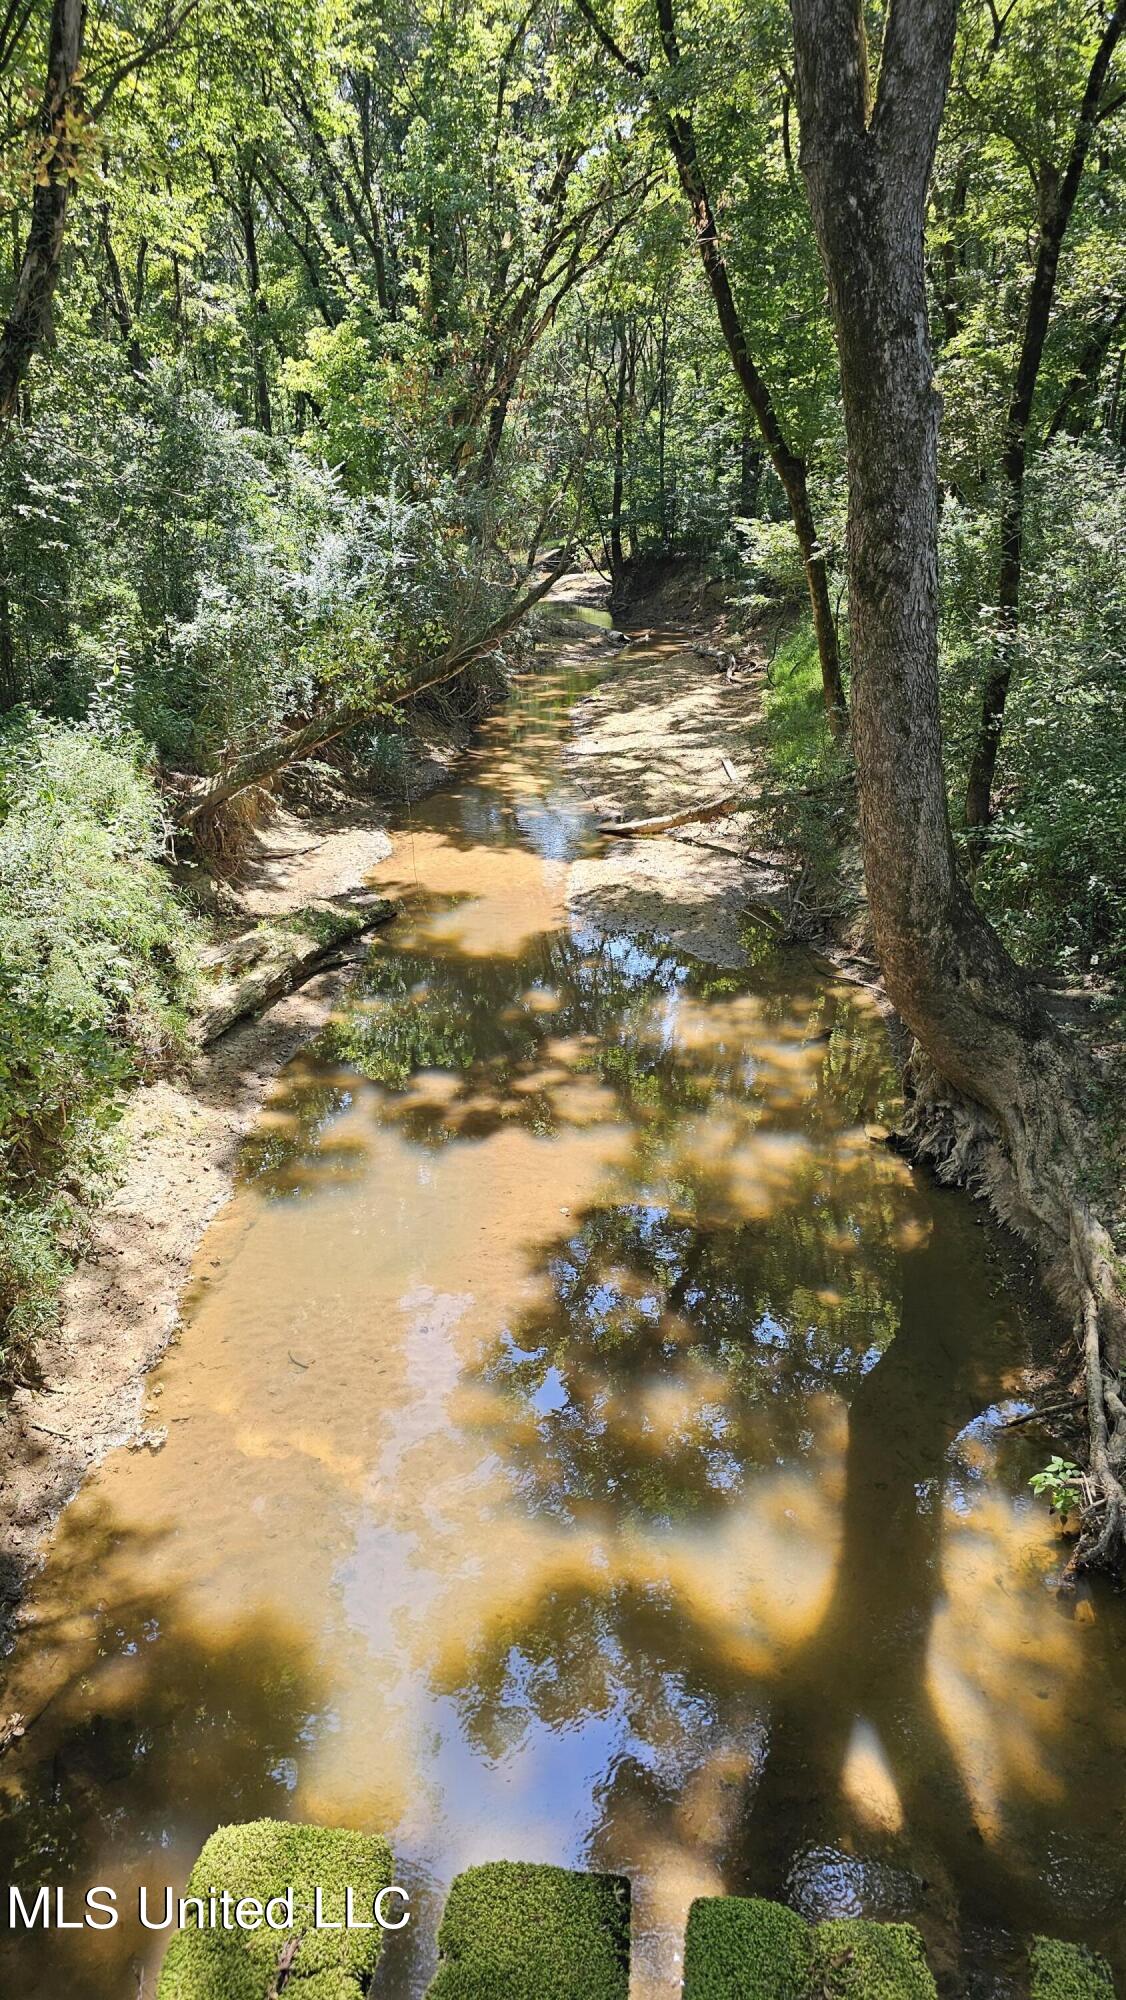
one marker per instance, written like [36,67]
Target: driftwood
[721,808]
[289,962]
[636,829]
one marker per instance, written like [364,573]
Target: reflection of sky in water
[602,1460]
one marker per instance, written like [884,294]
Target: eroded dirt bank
[179,1142]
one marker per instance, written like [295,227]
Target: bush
[96,964]
[263,1859]
[1053,876]
[1067,1972]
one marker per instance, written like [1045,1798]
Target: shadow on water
[587,1445]
[147,1733]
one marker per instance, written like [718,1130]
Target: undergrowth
[96,967]
[810,809]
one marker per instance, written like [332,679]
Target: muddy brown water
[585,1444]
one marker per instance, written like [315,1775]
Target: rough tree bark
[29,321]
[999,1095]
[789,465]
[1057,200]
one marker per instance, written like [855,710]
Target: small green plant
[1062,1482]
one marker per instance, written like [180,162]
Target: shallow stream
[586,1443]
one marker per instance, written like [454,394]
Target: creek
[586,1443]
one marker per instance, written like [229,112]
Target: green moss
[516,1931]
[205,1965]
[328,923]
[740,1948]
[1067,1972]
[262,1859]
[857,1960]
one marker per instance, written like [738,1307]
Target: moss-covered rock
[1067,1972]
[740,1948]
[263,1859]
[854,1959]
[513,1930]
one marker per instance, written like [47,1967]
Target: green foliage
[96,964]
[854,1959]
[813,810]
[1067,1972]
[513,1930]
[1061,1482]
[261,1859]
[327,923]
[741,1948]
[1053,877]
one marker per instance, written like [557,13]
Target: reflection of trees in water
[728,1331]
[732,1322]
[158,1732]
[583,1005]
[686,1346]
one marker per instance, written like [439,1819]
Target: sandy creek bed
[584,1443]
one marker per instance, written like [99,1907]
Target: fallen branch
[637,829]
[1071,1408]
[263,763]
[299,961]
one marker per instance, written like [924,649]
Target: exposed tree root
[963,1143]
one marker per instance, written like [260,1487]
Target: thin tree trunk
[119,301]
[617,552]
[9,681]
[263,415]
[1083,380]
[1057,197]
[1007,1085]
[29,322]
[788,464]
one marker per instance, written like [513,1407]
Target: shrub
[262,1859]
[1067,1972]
[741,1948]
[96,963]
[855,1959]
[1053,876]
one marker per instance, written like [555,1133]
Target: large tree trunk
[1057,200]
[29,322]
[1003,1082]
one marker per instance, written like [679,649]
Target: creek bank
[684,721]
[677,725]
[179,1141]
[670,728]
